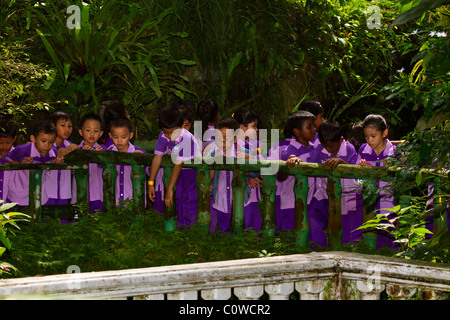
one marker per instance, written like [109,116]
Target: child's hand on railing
[58,160]
[363,162]
[62,152]
[292,161]
[138,151]
[333,162]
[27,160]
[86,147]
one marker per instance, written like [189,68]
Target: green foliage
[428,194]
[8,218]
[122,239]
[114,43]
[424,86]
[21,84]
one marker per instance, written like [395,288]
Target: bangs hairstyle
[375,121]
[312,106]
[8,129]
[120,123]
[91,116]
[170,117]
[60,115]
[296,121]
[228,123]
[329,131]
[186,108]
[44,126]
[245,116]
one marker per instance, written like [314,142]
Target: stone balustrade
[314,276]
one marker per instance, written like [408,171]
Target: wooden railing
[315,276]
[78,161]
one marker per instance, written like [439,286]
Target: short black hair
[45,126]
[113,111]
[227,122]
[356,135]
[313,106]
[187,109]
[207,112]
[296,121]
[245,116]
[170,117]
[91,116]
[329,131]
[60,115]
[120,123]
[8,129]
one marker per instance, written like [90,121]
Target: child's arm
[156,163]
[211,175]
[62,152]
[168,199]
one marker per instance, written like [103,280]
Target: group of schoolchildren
[309,138]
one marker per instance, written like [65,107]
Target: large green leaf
[417,11]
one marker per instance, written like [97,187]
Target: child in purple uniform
[314,107]
[248,140]
[182,146]
[373,153]
[121,132]
[333,150]
[186,196]
[8,135]
[208,113]
[91,131]
[225,144]
[301,127]
[60,181]
[40,150]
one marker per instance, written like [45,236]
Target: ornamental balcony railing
[314,276]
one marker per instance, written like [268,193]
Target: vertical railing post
[109,186]
[138,178]
[237,214]
[82,183]
[267,205]
[369,204]
[35,193]
[203,182]
[170,213]
[301,225]
[334,229]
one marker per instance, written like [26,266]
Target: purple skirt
[284,217]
